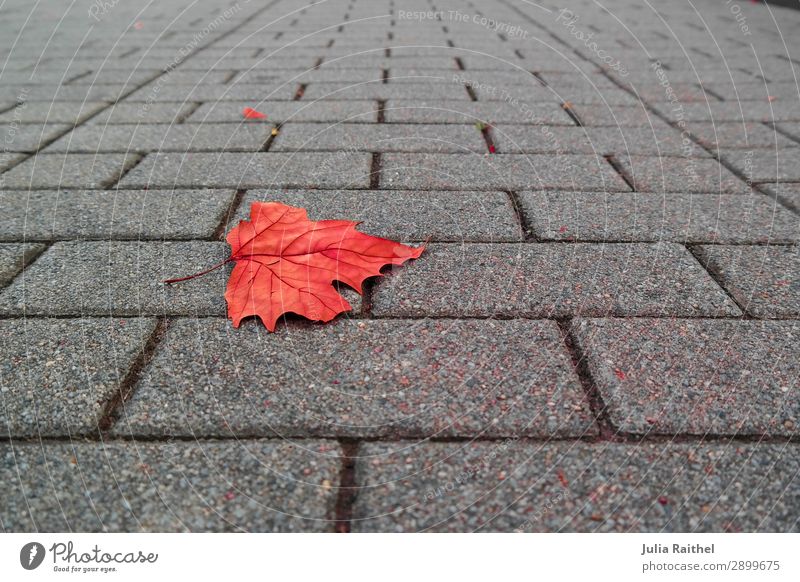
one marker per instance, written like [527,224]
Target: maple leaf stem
[201,273]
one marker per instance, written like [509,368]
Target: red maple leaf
[288,263]
[250,113]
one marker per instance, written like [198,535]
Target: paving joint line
[697,252]
[347,489]
[128,384]
[612,160]
[580,364]
[233,208]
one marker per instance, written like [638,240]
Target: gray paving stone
[766,165]
[733,111]
[15,137]
[405,215]
[7,160]
[202,486]
[51,112]
[766,280]
[57,374]
[700,377]
[361,378]
[552,280]
[340,169]
[68,171]
[120,278]
[379,138]
[430,111]
[659,140]
[503,172]
[599,216]
[791,129]
[516,486]
[211,137]
[594,115]
[384,91]
[684,174]
[575,94]
[145,112]
[14,257]
[115,214]
[158,92]
[742,135]
[787,194]
[289,111]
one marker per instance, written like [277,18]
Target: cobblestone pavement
[603,333]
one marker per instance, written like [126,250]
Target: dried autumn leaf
[250,113]
[286,263]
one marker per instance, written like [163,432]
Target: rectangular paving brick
[384,91]
[379,138]
[288,111]
[735,136]
[14,257]
[120,278]
[431,111]
[59,373]
[684,174]
[405,215]
[504,172]
[766,165]
[788,194]
[115,214]
[361,378]
[51,112]
[145,112]
[68,171]
[15,137]
[764,279]
[340,169]
[700,377]
[157,92]
[659,140]
[519,486]
[202,486]
[552,280]
[210,137]
[733,111]
[597,115]
[600,216]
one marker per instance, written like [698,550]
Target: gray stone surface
[340,169]
[504,172]
[433,111]
[6,161]
[598,115]
[288,111]
[145,112]
[120,278]
[765,165]
[427,378]
[552,280]
[15,137]
[379,138]
[633,216]
[211,137]
[58,374]
[14,257]
[765,280]
[405,215]
[517,486]
[197,486]
[788,194]
[157,92]
[51,112]
[385,91]
[685,174]
[741,135]
[763,111]
[115,214]
[657,141]
[699,377]
[68,171]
